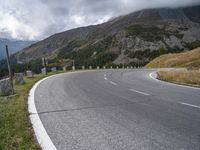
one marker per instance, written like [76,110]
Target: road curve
[118,110]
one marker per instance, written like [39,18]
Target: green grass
[15,128]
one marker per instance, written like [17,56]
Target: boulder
[19,78]
[5,87]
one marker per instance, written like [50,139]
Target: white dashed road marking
[113,83]
[191,105]
[139,92]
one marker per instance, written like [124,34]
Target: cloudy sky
[37,19]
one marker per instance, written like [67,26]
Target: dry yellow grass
[185,59]
[186,77]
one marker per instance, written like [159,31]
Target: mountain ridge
[151,29]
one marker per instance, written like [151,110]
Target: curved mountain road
[118,110]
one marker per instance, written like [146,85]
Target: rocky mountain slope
[13,45]
[134,39]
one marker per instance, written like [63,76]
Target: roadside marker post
[73,68]
[44,63]
[9,70]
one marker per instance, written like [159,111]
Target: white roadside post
[44,71]
[111,67]
[45,64]
[9,70]
[90,67]
[64,68]
[117,67]
[73,68]
[29,73]
[97,67]
[83,67]
[104,67]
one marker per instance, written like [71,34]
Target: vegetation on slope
[150,33]
[188,59]
[90,54]
[15,127]
[34,65]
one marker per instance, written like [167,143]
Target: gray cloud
[37,19]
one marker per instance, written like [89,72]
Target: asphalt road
[118,110]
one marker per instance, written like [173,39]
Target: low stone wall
[5,87]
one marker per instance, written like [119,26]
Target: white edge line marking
[139,92]
[113,83]
[190,105]
[105,78]
[151,76]
[41,135]
[40,132]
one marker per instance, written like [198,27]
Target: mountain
[13,45]
[133,39]
[189,59]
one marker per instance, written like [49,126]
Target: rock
[5,87]
[29,73]
[19,78]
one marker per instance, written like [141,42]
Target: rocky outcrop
[19,78]
[5,87]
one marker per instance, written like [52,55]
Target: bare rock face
[192,34]
[5,87]
[173,41]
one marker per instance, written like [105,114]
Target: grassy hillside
[184,77]
[189,59]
